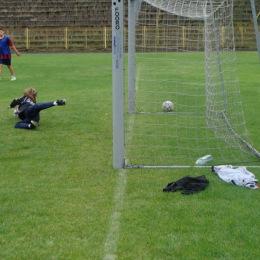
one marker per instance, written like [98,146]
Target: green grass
[178,138]
[60,197]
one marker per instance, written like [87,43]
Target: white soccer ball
[167,106]
[16,112]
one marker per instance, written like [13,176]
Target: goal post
[181,51]
[131,55]
[255,26]
[118,82]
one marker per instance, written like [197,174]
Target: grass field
[60,197]
[195,127]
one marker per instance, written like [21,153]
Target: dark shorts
[5,61]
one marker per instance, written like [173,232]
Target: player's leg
[1,65]
[26,124]
[10,67]
[33,112]
[7,62]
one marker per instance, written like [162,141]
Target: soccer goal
[180,51]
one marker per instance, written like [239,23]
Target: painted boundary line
[111,241]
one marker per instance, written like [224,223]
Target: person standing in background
[5,53]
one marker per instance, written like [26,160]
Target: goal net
[183,51]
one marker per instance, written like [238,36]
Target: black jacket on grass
[188,185]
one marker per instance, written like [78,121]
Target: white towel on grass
[237,176]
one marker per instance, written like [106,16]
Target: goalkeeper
[29,111]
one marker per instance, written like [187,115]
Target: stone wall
[54,13]
[69,13]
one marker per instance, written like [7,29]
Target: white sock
[55,103]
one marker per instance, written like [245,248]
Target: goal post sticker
[117,24]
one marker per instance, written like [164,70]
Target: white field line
[110,246]
[111,241]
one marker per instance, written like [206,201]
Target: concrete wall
[69,13]
[54,13]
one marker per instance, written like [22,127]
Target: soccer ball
[167,106]
[16,112]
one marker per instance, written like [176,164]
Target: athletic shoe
[13,78]
[61,102]
[33,124]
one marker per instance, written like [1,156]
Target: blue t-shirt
[5,43]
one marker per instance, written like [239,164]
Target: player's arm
[11,44]
[15,50]
[15,102]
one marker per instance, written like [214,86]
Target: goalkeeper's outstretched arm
[15,102]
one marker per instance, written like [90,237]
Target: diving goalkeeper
[28,111]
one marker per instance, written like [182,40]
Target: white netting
[184,53]
[188,8]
